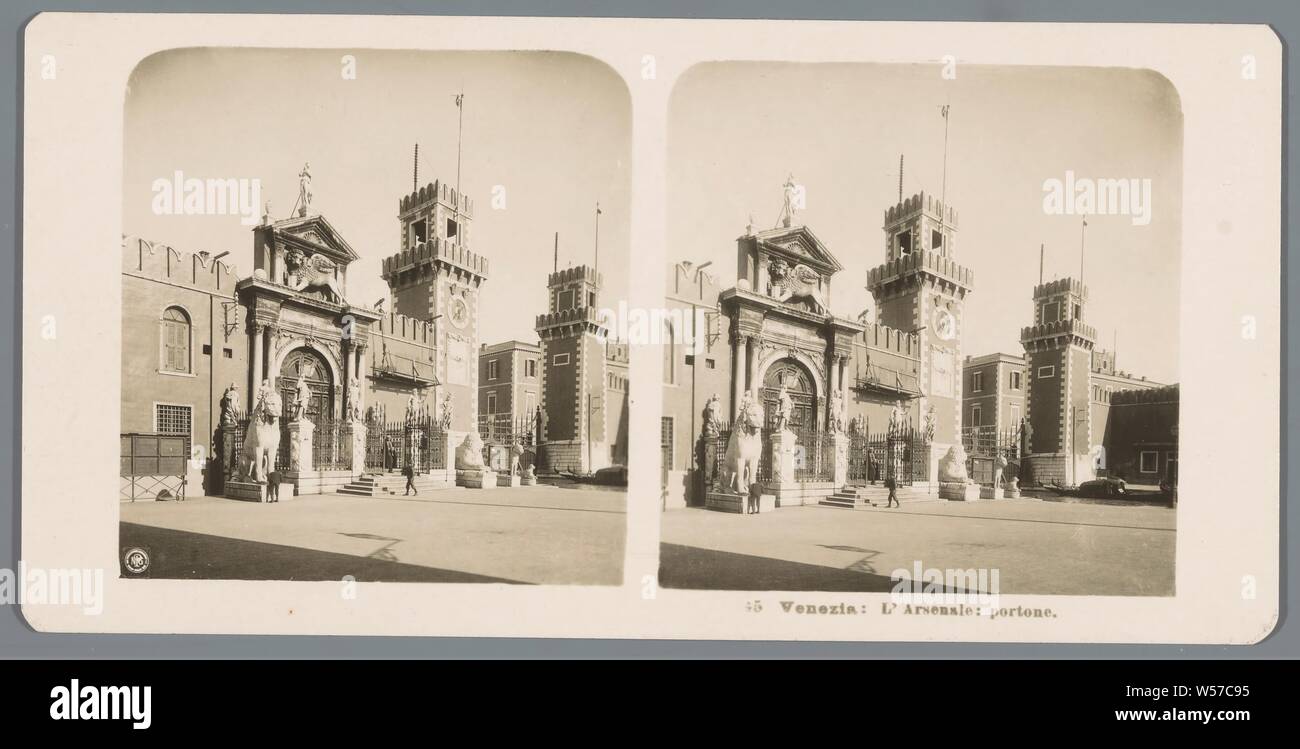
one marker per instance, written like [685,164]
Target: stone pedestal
[1012,488]
[783,449]
[506,479]
[476,478]
[528,480]
[990,492]
[353,436]
[229,460]
[738,503]
[251,491]
[412,456]
[960,492]
[300,441]
[840,443]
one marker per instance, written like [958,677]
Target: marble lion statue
[796,283]
[744,446]
[262,440]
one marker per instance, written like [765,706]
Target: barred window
[666,441]
[175,335]
[172,419]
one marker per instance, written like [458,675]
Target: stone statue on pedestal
[838,425]
[444,419]
[929,424]
[712,417]
[304,190]
[412,409]
[784,408]
[230,405]
[897,420]
[301,398]
[999,466]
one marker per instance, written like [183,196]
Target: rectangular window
[1015,380]
[451,228]
[530,368]
[690,360]
[531,400]
[1078,312]
[1149,461]
[591,299]
[1015,416]
[975,413]
[1048,371]
[566,300]
[560,360]
[419,233]
[492,403]
[977,382]
[170,419]
[666,442]
[493,369]
[710,364]
[936,240]
[228,353]
[905,243]
[1051,312]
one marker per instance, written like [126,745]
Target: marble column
[750,363]
[257,362]
[742,369]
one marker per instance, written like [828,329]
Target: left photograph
[361,334]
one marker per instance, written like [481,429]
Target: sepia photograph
[927,330]
[359,337]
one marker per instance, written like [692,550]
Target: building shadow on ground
[183,555]
[705,569]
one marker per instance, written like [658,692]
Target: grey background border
[18,640]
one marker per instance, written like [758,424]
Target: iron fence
[983,445]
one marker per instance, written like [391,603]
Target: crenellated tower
[436,277]
[573,372]
[1058,368]
[921,289]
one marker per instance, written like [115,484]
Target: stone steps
[861,497]
[388,485]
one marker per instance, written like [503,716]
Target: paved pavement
[538,534]
[1037,547]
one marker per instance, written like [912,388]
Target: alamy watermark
[29,586]
[930,586]
[1085,196]
[223,196]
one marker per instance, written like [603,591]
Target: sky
[738,130]
[552,129]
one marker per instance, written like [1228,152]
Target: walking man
[409,473]
[892,484]
[273,486]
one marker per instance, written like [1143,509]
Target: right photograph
[922,324]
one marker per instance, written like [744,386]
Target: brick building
[584,396]
[510,382]
[757,337]
[192,327]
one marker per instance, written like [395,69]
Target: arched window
[175,335]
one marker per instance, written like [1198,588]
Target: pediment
[315,235]
[798,245]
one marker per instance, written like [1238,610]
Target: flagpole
[555,265]
[1083,230]
[460,129]
[943,190]
[596,266]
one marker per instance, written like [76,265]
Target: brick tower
[921,289]
[436,277]
[1058,364]
[573,372]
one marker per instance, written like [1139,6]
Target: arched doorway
[309,364]
[799,385]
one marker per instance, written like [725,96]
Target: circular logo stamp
[136,560]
